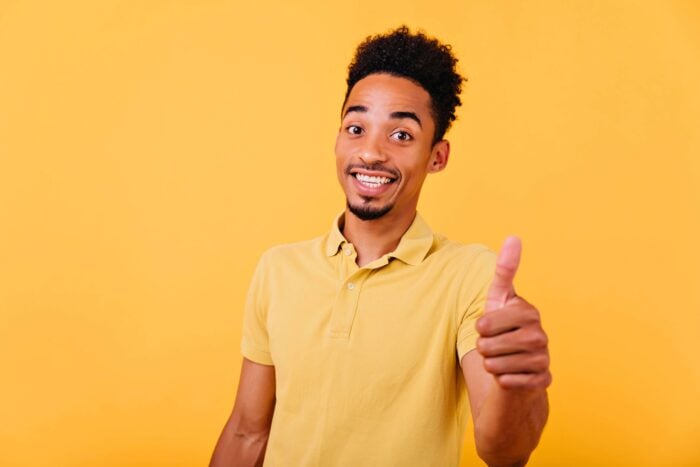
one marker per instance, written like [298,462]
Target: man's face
[384,146]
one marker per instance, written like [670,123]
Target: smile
[371,181]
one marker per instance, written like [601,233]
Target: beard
[364,211]
[367,213]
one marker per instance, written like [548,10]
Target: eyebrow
[396,115]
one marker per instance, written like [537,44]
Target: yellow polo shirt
[367,359]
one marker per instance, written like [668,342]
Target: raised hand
[512,341]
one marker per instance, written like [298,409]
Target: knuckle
[541,380]
[505,270]
[538,340]
[534,381]
[482,325]
[533,315]
[526,303]
[541,362]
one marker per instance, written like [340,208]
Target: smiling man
[370,345]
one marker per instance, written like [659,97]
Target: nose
[371,152]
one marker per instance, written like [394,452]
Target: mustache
[378,167]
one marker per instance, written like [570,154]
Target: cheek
[343,149]
[415,174]
[342,146]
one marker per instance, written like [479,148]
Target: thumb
[502,289]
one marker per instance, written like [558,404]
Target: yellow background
[151,150]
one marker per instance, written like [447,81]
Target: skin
[508,373]
[398,147]
[244,437]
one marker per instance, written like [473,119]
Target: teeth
[372,181]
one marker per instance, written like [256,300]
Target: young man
[357,345]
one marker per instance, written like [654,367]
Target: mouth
[371,184]
[373,179]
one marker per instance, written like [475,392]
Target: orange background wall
[151,150]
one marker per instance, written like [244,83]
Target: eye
[354,130]
[401,135]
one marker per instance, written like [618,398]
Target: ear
[439,156]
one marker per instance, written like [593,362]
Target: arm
[508,374]
[244,438]
[508,421]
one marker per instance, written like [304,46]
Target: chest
[377,325]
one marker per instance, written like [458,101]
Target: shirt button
[348,251]
[351,286]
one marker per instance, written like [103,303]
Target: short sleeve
[255,341]
[472,299]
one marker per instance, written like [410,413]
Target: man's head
[402,93]
[418,58]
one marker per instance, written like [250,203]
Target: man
[357,345]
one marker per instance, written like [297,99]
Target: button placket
[346,262]
[345,306]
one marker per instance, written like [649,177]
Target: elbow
[251,437]
[249,427]
[499,460]
[499,451]
[250,434]
[502,459]
[241,445]
[504,441]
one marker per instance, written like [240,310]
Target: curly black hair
[419,58]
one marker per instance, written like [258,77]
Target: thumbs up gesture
[512,341]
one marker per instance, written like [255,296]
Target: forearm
[509,425]
[238,447]
[243,440]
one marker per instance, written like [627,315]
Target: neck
[373,239]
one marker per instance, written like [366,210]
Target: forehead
[382,91]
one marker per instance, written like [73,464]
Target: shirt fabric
[367,360]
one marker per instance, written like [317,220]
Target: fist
[511,339]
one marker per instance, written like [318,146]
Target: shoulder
[469,266]
[464,256]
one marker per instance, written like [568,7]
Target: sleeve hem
[257,356]
[465,346]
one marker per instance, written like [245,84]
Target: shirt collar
[335,237]
[412,248]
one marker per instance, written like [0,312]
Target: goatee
[367,213]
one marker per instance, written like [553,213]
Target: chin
[366,212]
